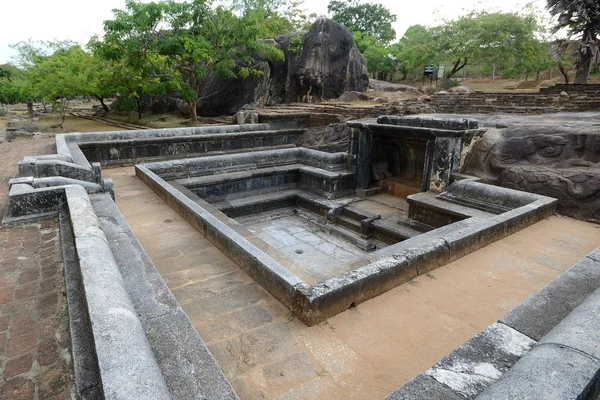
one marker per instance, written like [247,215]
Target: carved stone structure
[557,160]
[409,154]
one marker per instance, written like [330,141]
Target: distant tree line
[510,45]
[169,46]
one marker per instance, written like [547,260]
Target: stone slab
[542,311]
[549,372]
[423,387]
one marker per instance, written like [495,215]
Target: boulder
[551,159]
[332,138]
[460,89]
[349,97]
[330,63]
[383,86]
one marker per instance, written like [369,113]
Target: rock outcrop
[330,63]
[560,160]
[326,65]
[320,64]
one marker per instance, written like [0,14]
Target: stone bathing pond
[320,232]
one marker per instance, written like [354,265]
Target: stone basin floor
[365,352]
[315,253]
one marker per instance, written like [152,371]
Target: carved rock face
[557,160]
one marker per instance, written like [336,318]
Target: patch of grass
[431,276]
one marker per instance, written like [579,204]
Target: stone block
[549,372]
[483,359]
[542,311]
[423,387]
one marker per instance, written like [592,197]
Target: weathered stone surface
[332,138]
[548,372]
[483,359]
[560,160]
[541,312]
[423,387]
[330,63]
[383,86]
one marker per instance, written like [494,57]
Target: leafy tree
[415,49]
[380,61]
[11,82]
[581,19]
[55,72]
[177,45]
[275,17]
[373,19]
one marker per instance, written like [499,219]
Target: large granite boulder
[330,63]
[560,160]
[326,65]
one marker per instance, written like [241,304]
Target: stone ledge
[565,363]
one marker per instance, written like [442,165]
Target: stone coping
[379,272]
[130,337]
[547,347]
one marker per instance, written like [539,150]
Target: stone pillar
[445,160]
[363,157]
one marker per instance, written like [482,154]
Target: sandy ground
[365,352]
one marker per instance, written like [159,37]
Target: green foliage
[54,72]
[297,44]
[11,83]
[274,17]
[373,19]
[377,56]
[415,49]
[168,45]
[510,43]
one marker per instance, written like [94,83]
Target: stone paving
[366,352]
[35,360]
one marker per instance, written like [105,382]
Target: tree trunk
[139,107]
[494,72]
[104,106]
[458,65]
[29,111]
[583,66]
[563,72]
[193,114]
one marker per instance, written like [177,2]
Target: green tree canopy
[55,72]
[581,19]
[373,19]
[275,17]
[179,44]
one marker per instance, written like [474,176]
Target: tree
[55,72]
[581,19]
[180,44]
[11,83]
[380,61]
[373,19]
[275,17]
[415,49]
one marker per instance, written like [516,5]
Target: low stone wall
[517,103]
[383,269]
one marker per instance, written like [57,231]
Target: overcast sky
[78,20]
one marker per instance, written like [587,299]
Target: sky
[79,20]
